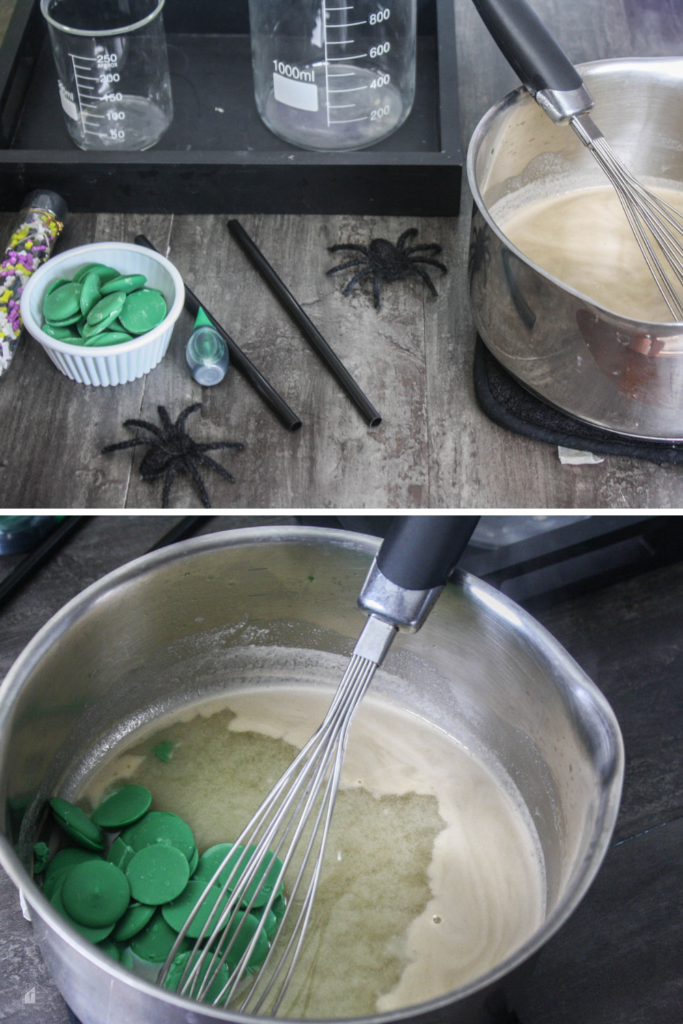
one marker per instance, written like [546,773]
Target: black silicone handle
[528,46]
[419,552]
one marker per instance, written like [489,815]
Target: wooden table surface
[435,447]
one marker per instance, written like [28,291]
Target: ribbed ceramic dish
[114,364]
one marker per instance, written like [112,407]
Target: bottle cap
[207,355]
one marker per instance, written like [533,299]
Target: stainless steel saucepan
[614,372]
[164,630]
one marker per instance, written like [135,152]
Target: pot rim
[521,95]
[544,644]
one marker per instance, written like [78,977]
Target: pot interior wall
[638,111]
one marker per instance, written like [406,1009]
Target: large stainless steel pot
[157,632]
[617,373]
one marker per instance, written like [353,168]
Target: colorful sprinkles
[31,244]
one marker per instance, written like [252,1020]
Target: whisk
[553,81]
[400,589]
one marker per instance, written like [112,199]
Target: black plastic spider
[384,261]
[171,449]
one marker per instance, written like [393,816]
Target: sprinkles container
[112,364]
[41,220]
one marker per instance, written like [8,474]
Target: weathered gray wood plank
[335,460]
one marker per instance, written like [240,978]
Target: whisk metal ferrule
[405,609]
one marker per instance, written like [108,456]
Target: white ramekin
[114,364]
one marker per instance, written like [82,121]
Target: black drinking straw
[308,328]
[241,362]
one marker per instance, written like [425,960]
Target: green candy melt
[41,856]
[107,337]
[260,890]
[104,273]
[77,824]
[86,310]
[105,307]
[90,292]
[124,284]
[161,827]
[177,970]
[62,303]
[143,310]
[164,750]
[123,808]
[155,942]
[158,874]
[121,853]
[133,921]
[177,912]
[93,934]
[60,866]
[62,333]
[110,949]
[96,893]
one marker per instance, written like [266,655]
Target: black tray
[218,161]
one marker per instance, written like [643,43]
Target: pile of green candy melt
[133,877]
[101,306]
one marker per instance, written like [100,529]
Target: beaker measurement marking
[349,24]
[341,106]
[340,42]
[355,56]
[348,120]
[292,71]
[356,88]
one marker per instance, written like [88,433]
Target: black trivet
[510,405]
[72,1017]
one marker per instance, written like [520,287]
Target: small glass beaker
[112,71]
[333,74]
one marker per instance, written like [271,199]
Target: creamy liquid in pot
[434,873]
[584,239]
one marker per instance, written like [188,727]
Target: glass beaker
[333,74]
[112,71]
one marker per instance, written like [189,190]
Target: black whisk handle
[419,552]
[527,45]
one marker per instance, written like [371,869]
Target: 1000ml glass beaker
[112,71]
[333,74]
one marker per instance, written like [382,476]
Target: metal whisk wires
[305,793]
[645,212]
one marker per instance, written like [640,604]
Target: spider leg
[431,247]
[432,263]
[166,421]
[182,419]
[355,280]
[345,266]
[168,484]
[220,444]
[125,444]
[206,460]
[426,278]
[153,429]
[375,291]
[402,239]
[349,246]
[199,483]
